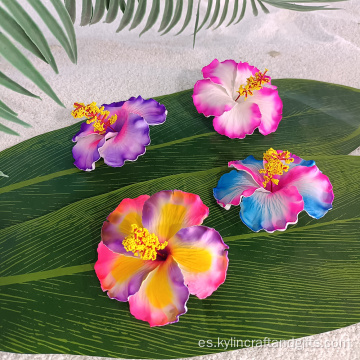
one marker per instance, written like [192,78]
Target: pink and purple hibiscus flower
[272,192]
[116,132]
[240,97]
[154,253]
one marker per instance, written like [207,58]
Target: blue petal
[233,186]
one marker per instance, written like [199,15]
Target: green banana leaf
[300,282]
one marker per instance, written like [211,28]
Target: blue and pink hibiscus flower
[240,97]
[273,191]
[116,132]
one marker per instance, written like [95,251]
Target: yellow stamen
[253,83]
[142,243]
[275,165]
[94,115]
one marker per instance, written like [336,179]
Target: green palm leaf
[153,16]
[71,9]
[16,31]
[98,11]
[31,29]
[5,108]
[236,6]
[176,17]
[22,28]
[112,11]
[49,288]
[18,60]
[168,10]
[54,27]
[134,12]
[14,86]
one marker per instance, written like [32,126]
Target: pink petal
[251,166]
[211,99]
[314,187]
[162,296]
[222,73]
[121,276]
[270,106]
[118,224]
[240,121]
[202,257]
[271,210]
[166,212]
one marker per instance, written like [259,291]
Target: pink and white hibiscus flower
[240,97]
[155,252]
[273,191]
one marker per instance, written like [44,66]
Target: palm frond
[217,11]
[21,28]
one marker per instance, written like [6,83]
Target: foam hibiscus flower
[240,97]
[155,252]
[116,132]
[273,191]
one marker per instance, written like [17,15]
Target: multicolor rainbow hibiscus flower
[240,97]
[155,252]
[116,132]
[273,191]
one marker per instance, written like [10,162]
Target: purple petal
[85,130]
[153,112]
[128,144]
[86,151]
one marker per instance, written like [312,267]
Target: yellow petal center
[142,243]
[253,83]
[97,116]
[275,164]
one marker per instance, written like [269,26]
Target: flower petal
[121,276]
[118,224]
[85,130]
[314,187]
[251,166]
[232,187]
[166,212]
[298,161]
[243,72]
[202,257]
[271,210]
[240,121]
[162,296]
[152,112]
[128,144]
[211,99]
[270,106]
[222,73]
[86,151]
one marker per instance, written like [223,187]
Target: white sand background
[323,45]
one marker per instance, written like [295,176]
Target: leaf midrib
[73,170]
[72,270]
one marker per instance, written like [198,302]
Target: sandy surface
[323,45]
